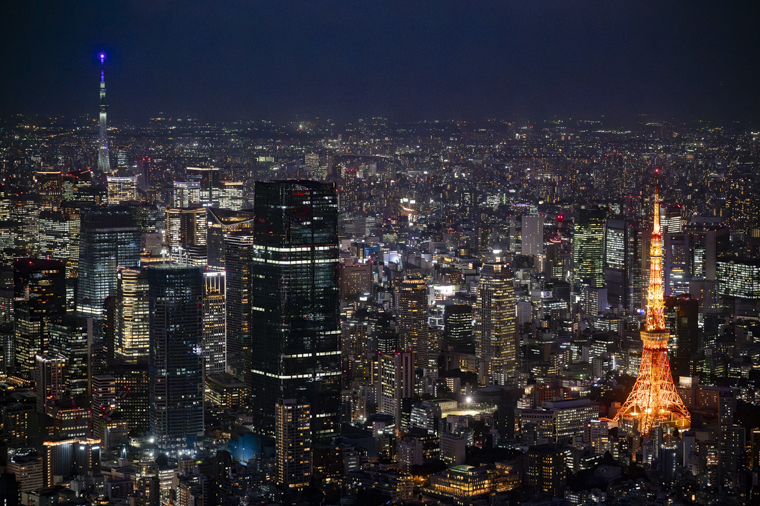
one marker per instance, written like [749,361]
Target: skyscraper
[496,338]
[175,364]
[238,258]
[132,325]
[186,235]
[620,257]
[54,235]
[48,378]
[412,321]
[457,322]
[395,382]
[40,298]
[70,337]
[678,263]
[682,316]
[121,189]
[109,238]
[104,163]
[532,235]
[221,223]
[293,440]
[295,347]
[588,246]
[214,322]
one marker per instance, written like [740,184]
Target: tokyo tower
[654,399]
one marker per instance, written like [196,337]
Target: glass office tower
[295,342]
[109,238]
[175,365]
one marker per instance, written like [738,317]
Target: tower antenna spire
[104,163]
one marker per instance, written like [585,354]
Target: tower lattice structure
[654,399]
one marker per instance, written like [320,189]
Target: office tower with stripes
[295,341]
[175,297]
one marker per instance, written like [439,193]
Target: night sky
[407,60]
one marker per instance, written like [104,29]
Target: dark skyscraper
[109,238]
[40,298]
[458,327]
[70,337]
[682,315]
[238,247]
[295,312]
[175,365]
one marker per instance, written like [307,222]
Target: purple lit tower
[104,163]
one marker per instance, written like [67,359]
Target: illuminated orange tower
[654,398]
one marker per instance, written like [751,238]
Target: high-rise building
[175,364]
[132,385]
[726,418]
[68,458]
[355,281]
[29,472]
[132,318]
[104,162]
[121,189]
[186,194]
[413,320]
[395,382]
[682,318]
[48,378]
[679,261]
[532,235]
[208,180]
[739,278]
[293,440]
[221,223]
[40,298]
[110,237]
[546,470]
[238,255]
[186,232]
[70,337]
[231,195]
[295,329]
[54,235]
[496,337]
[214,322]
[620,260]
[103,402]
[457,325]
[588,246]
[49,188]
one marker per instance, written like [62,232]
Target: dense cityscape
[337,308]
[324,312]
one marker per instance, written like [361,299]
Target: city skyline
[202,308]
